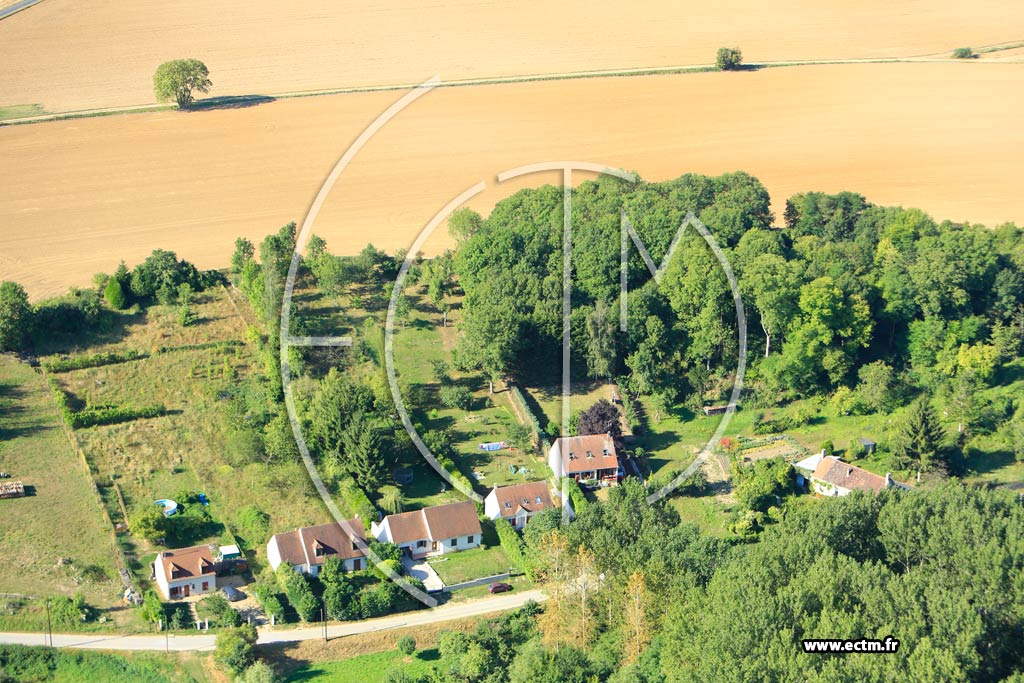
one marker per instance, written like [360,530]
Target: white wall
[273,553]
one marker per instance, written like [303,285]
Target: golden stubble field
[81,54]
[80,195]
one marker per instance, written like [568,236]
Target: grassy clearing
[35,450]
[185,450]
[518,583]
[17,111]
[710,516]
[471,564]
[30,664]
[548,399]
[367,668]
[424,341]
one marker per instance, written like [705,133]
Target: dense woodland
[872,307]
[638,598]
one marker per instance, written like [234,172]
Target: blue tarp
[492,446]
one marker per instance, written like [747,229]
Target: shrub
[728,58]
[267,595]
[342,601]
[963,53]
[512,544]
[218,610]
[152,608]
[456,396]
[573,491]
[300,594]
[92,361]
[356,499]
[828,447]
[235,649]
[259,672]
[406,645]
[253,523]
[114,294]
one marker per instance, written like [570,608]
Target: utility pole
[167,641]
[324,622]
[49,631]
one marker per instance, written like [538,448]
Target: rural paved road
[186,643]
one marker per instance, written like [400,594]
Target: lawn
[548,399]
[706,512]
[424,341]
[370,668]
[35,450]
[519,583]
[471,564]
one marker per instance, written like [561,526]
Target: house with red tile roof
[833,477]
[185,572]
[305,549]
[431,531]
[586,458]
[517,504]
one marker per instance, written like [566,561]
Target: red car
[498,587]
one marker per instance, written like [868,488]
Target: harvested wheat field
[79,54]
[81,194]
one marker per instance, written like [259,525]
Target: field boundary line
[120,563]
[497,80]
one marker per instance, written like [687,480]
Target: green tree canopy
[178,79]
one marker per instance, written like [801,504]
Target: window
[454,541]
[206,585]
[421,544]
[538,499]
[357,564]
[469,539]
[508,505]
[355,546]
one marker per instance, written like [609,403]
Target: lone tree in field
[178,78]
[729,58]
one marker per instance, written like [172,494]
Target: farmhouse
[586,458]
[833,477]
[184,572]
[431,531]
[517,504]
[305,549]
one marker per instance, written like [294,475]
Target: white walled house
[517,504]
[431,531]
[833,477]
[305,549]
[185,572]
[586,458]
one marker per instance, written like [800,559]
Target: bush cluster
[92,361]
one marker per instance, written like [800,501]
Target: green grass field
[184,450]
[30,664]
[17,111]
[471,564]
[34,529]
[424,340]
[367,668]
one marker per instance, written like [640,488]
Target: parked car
[232,594]
[498,587]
